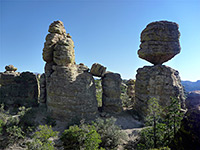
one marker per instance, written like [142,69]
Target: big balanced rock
[70,88]
[159,42]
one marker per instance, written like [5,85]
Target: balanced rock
[160,82]
[98,70]
[70,88]
[111,101]
[159,42]
[10,68]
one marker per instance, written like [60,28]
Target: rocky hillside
[191,86]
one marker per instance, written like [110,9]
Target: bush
[1,126]
[50,121]
[14,133]
[41,138]
[83,137]
[111,135]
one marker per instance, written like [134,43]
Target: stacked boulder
[159,43]
[18,89]
[70,88]
[111,87]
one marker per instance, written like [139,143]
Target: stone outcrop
[160,82]
[111,101]
[18,89]
[193,100]
[131,88]
[98,70]
[159,42]
[70,88]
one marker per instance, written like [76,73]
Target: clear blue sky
[104,31]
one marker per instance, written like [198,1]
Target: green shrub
[1,126]
[40,139]
[111,135]
[83,137]
[50,121]
[15,133]
[27,117]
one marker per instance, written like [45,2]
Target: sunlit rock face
[159,42]
[159,82]
[70,89]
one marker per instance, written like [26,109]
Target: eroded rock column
[111,101]
[159,43]
[70,88]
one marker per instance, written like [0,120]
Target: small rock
[98,70]
[11,68]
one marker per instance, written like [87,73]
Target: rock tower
[70,89]
[159,43]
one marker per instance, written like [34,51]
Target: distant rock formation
[131,88]
[159,42]
[18,89]
[70,88]
[191,86]
[193,100]
[111,84]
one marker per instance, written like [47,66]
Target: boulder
[111,101]
[64,52]
[193,99]
[159,42]
[11,68]
[98,70]
[161,82]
